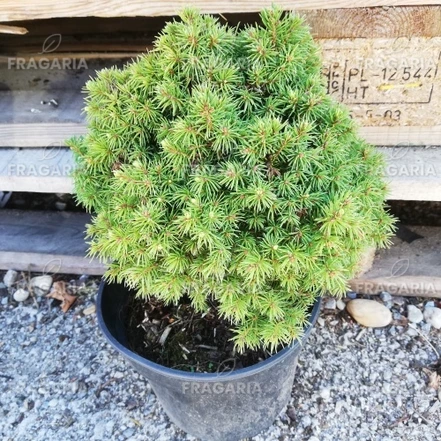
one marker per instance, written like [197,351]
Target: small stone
[89,310]
[28,404]
[4,301]
[41,284]
[351,295]
[129,432]
[291,413]
[430,304]
[386,297]
[341,305]
[10,277]
[426,327]
[433,317]
[83,279]
[325,393]
[306,421]
[412,332]
[414,315]
[369,313]
[21,295]
[321,321]
[75,386]
[330,304]
[397,316]
[2,285]
[399,301]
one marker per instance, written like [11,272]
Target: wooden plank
[54,242]
[415,21]
[406,269]
[11,10]
[413,173]
[43,232]
[392,87]
[47,134]
[386,82]
[50,263]
[38,135]
[45,170]
[45,241]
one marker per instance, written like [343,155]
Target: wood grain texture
[24,10]
[54,242]
[111,33]
[406,269]
[50,134]
[50,263]
[51,242]
[38,134]
[45,229]
[44,170]
[413,173]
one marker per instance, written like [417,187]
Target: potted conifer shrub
[229,192]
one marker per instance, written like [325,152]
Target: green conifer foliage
[218,168]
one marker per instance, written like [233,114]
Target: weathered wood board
[392,86]
[413,173]
[45,241]
[12,10]
[54,242]
[387,82]
[43,170]
[412,269]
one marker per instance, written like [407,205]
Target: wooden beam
[54,242]
[12,10]
[50,134]
[391,86]
[409,21]
[38,134]
[50,263]
[413,173]
[44,170]
[406,269]
[51,242]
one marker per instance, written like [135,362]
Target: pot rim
[200,376]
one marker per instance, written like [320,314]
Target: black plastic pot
[214,407]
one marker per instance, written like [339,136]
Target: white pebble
[20,295]
[41,284]
[325,393]
[330,304]
[10,278]
[414,314]
[433,317]
[341,305]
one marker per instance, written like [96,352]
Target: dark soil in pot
[220,406]
[177,337]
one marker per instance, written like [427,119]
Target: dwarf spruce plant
[219,170]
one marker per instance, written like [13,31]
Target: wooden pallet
[54,242]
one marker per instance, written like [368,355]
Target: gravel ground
[59,380]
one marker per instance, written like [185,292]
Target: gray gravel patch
[59,380]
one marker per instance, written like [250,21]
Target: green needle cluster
[218,169]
